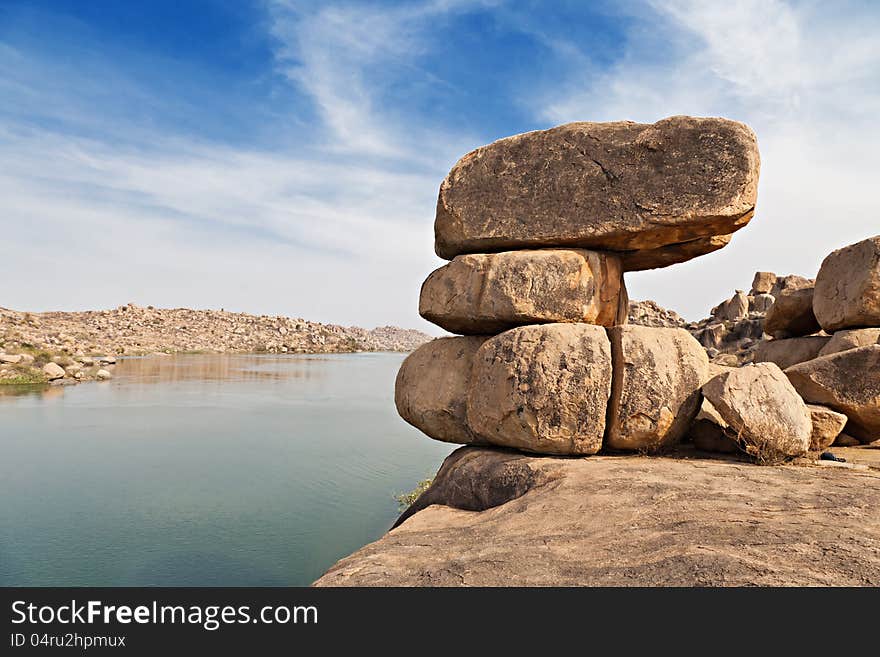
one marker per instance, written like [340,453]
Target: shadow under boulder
[475,479]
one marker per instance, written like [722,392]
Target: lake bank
[75,342]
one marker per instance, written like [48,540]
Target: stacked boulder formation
[540,229]
[551,358]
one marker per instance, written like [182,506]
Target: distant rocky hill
[132,329]
[734,332]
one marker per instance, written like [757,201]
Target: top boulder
[661,193]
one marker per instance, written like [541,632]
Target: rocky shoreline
[552,362]
[502,518]
[68,347]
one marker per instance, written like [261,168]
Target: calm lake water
[204,471]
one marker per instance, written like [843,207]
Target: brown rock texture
[617,186]
[432,387]
[845,440]
[851,339]
[710,433]
[827,425]
[769,418]
[848,382]
[760,303]
[733,309]
[650,313]
[655,390]
[633,521]
[792,314]
[542,389]
[848,287]
[763,282]
[790,351]
[672,254]
[790,282]
[490,293]
[467,480]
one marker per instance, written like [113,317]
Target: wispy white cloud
[339,229]
[802,75]
[332,229]
[346,56]
[334,220]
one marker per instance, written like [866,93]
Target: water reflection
[190,367]
[222,367]
[237,470]
[47,391]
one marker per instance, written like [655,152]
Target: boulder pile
[736,331]
[540,229]
[824,333]
[551,356]
[845,375]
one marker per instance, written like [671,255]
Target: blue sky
[283,157]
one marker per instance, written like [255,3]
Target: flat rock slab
[867,455]
[638,521]
[619,186]
[851,339]
[482,294]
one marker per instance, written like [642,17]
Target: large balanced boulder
[490,293]
[848,382]
[790,351]
[792,314]
[851,339]
[655,391]
[617,186]
[848,287]
[763,409]
[542,389]
[432,386]
[827,426]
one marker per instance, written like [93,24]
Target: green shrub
[24,376]
[405,500]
